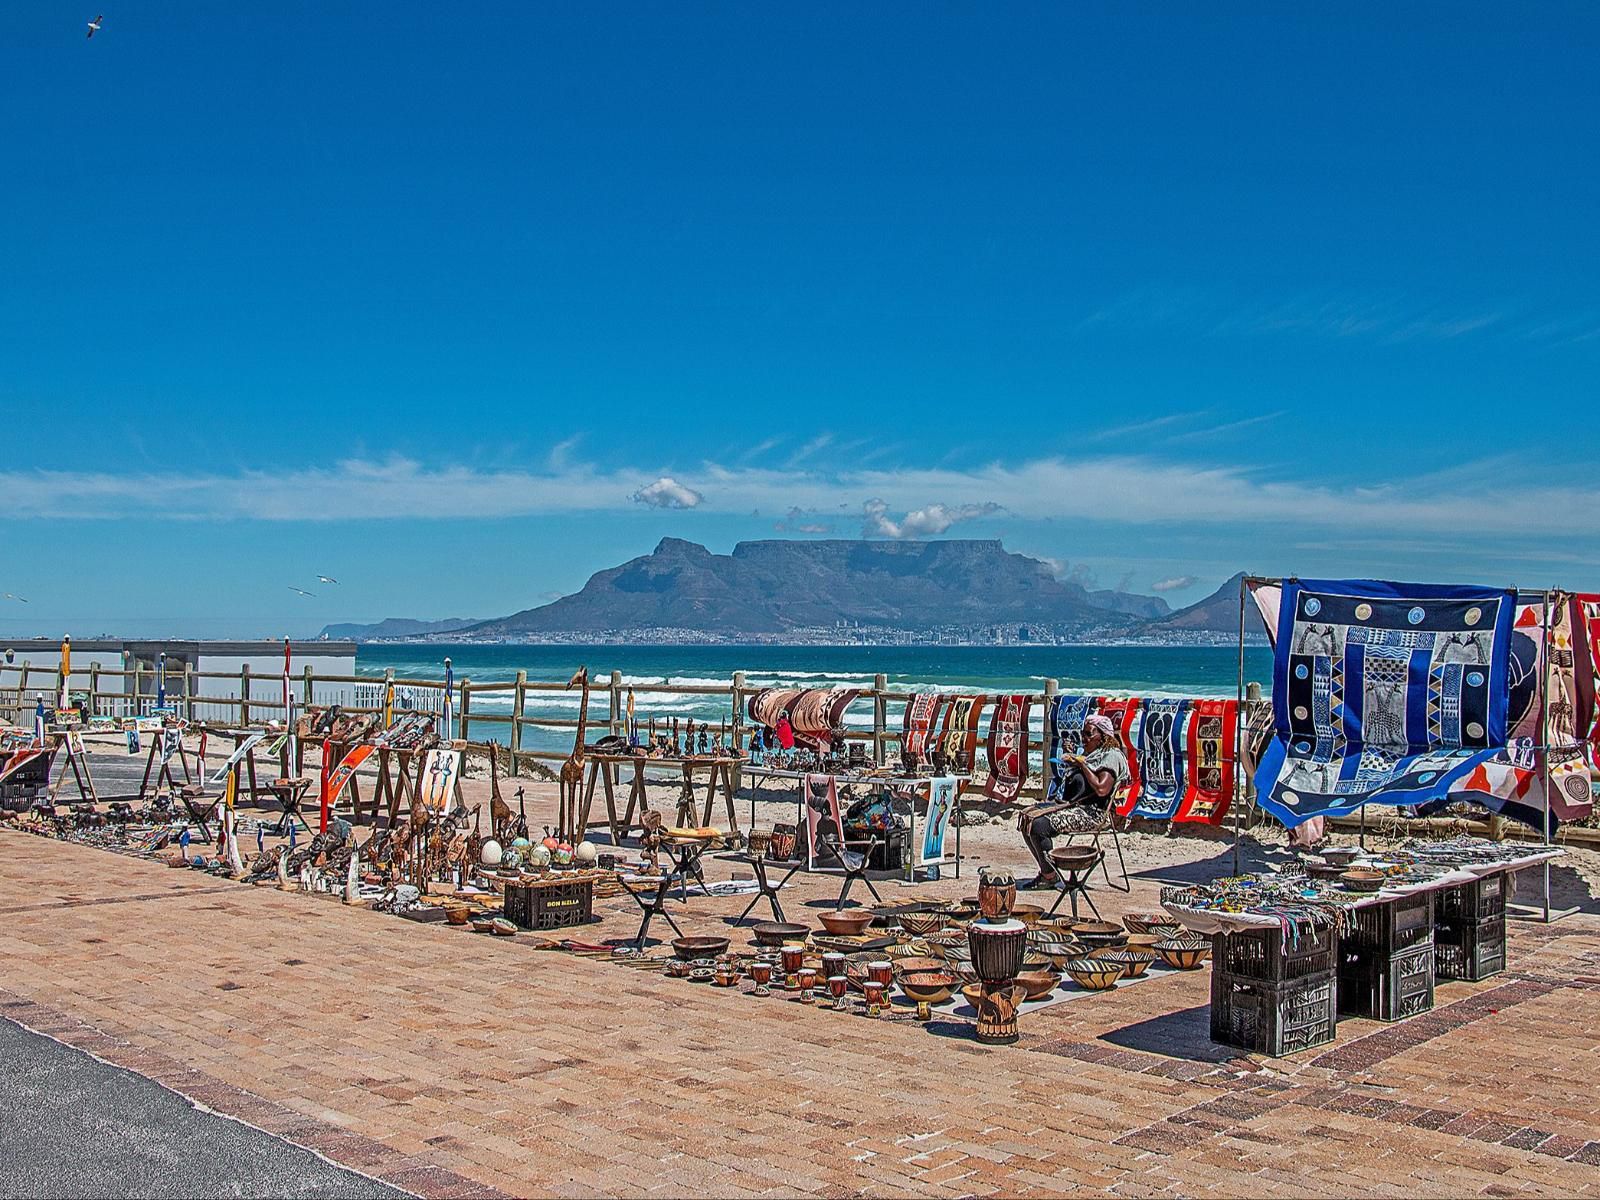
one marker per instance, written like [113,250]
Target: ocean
[1100,670]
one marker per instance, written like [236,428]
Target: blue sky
[430,299]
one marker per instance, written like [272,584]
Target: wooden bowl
[1134,960]
[457,914]
[1075,858]
[1361,879]
[918,965]
[1094,974]
[1324,870]
[482,924]
[929,987]
[699,947]
[850,923]
[1185,953]
[921,924]
[963,911]
[1039,983]
[1140,922]
[1340,856]
[1028,914]
[776,933]
[501,927]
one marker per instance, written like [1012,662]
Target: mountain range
[772,588]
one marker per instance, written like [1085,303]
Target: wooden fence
[255,699]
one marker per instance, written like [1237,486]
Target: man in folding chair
[1082,792]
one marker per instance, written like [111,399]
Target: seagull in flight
[327,579]
[94,26]
[300,591]
[18,599]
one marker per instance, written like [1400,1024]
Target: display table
[1281,980]
[918,786]
[606,769]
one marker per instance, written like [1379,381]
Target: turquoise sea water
[1115,670]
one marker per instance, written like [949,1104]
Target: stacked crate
[1272,992]
[1470,929]
[1386,959]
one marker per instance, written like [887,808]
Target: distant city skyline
[458,312]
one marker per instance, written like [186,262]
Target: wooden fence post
[519,697]
[94,689]
[616,703]
[188,690]
[736,727]
[244,695]
[1046,751]
[880,714]
[466,705]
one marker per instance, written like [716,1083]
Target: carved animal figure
[571,779]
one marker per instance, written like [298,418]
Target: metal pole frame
[1239,726]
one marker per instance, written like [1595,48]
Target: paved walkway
[446,1063]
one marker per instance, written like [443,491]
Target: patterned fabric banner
[1382,693]
[1008,748]
[1063,735]
[922,710]
[1163,747]
[1124,715]
[813,712]
[1210,761]
[958,736]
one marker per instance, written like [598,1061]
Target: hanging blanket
[817,712]
[1163,747]
[1008,747]
[1063,735]
[922,710]
[1124,715]
[767,705]
[1382,692]
[1209,761]
[958,736]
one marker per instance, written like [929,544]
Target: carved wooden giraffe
[571,779]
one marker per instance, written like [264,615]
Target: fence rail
[259,698]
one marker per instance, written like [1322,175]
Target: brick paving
[452,1064]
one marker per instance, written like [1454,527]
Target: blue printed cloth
[1382,693]
[1163,744]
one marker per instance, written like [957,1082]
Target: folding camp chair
[201,809]
[1099,824]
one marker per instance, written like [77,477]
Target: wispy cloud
[1218,312]
[926,522]
[1473,501]
[1227,427]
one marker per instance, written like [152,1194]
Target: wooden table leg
[611,804]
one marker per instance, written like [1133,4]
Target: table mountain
[769,587]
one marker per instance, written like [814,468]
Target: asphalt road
[72,1126]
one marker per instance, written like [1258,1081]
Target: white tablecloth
[1208,921]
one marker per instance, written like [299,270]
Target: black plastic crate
[1385,929]
[1271,956]
[1470,950]
[1479,900]
[1387,988]
[1273,1018]
[550,904]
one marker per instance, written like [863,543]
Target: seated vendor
[1084,787]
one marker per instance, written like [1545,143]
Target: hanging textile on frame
[958,736]
[1382,692]
[922,711]
[1063,736]
[1124,714]
[1163,746]
[1008,747]
[941,801]
[1589,631]
[813,712]
[1209,761]
[822,804]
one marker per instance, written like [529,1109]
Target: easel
[165,769]
[78,760]
[395,782]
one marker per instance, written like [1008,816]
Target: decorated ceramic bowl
[1094,974]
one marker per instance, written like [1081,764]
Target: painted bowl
[699,947]
[964,910]
[501,927]
[921,924]
[457,914]
[1362,879]
[850,923]
[702,975]
[1100,934]
[1134,960]
[1185,953]
[1039,983]
[776,933]
[1094,974]
[929,987]
[1324,870]
[1140,922]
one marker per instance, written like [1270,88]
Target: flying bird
[94,25]
[300,591]
[18,599]
[327,579]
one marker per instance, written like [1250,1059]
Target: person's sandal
[1041,883]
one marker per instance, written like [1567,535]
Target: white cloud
[919,522]
[1176,584]
[667,492]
